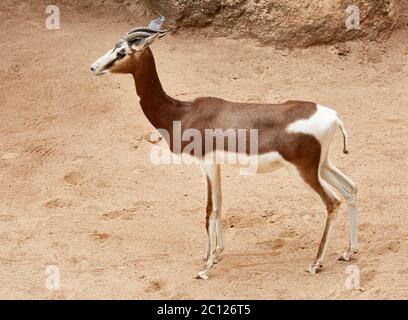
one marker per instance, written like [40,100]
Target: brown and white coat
[295,135]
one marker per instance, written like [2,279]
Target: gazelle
[295,135]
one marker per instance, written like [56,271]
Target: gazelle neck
[160,109]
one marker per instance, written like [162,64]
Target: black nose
[92,69]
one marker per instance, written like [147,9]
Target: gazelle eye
[120,54]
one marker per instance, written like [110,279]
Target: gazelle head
[124,56]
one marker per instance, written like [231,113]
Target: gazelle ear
[156,24]
[140,44]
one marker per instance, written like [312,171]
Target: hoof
[344,258]
[202,275]
[315,268]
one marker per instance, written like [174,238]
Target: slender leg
[219,247]
[310,174]
[214,190]
[209,210]
[213,218]
[332,203]
[348,190]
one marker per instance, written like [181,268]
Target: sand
[78,190]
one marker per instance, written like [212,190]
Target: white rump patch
[322,122]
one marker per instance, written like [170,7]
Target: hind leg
[310,175]
[332,202]
[348,190]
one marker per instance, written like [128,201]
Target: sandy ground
[78,190]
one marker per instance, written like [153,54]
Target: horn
[164,32]
[144,32]
[144,29]
[136,34]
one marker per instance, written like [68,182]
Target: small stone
[341,49]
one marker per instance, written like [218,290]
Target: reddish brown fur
[213,113]
[209,207]
[271,121]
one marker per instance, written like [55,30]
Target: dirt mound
[286,23]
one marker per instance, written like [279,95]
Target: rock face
[285,23]
[403,14]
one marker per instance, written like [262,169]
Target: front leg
[219,242]
[213,218]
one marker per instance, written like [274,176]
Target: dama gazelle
[294,134]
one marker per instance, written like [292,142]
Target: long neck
[160,109]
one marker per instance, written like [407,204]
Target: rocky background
[403,17]
[282,23]
[286,23]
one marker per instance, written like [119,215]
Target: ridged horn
[146,29]
[137,34]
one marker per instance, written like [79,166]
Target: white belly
[247,164]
